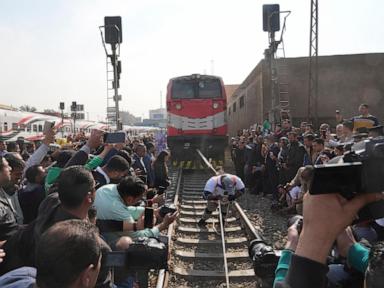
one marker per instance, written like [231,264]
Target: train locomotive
[196,107]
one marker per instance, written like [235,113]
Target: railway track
[197,257]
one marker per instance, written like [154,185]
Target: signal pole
[312,113]
[114,37]
[116,86]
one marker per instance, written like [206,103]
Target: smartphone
[116,259]
[116,137]
[48,125]
[148,217]
[164,210]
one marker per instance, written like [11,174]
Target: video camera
[143,254]
[359,171]
[263,257]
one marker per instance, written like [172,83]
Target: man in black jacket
[295,157]
[31,195]
[8,224]
[141,164]
[272,174]
[239,158]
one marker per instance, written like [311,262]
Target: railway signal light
[113,32]
[271,18]
[74,106]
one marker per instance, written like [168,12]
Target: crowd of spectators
[329,251]
[63,208]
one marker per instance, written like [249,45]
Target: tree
[50,111]
[27,108]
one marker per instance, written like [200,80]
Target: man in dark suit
[295,157]
[142,165]
[112,172]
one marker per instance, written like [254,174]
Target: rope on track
[221,221]
[209,164]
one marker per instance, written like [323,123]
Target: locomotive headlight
[215,105]
[178,106]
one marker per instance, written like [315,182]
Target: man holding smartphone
[117,202]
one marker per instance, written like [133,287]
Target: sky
[51,50]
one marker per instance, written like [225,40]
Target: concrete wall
[345,81]
[251,90]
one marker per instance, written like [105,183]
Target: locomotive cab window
[183,90]
[209,88]
[196,89]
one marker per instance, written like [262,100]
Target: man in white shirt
[224,188]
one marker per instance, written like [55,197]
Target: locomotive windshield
[196,89]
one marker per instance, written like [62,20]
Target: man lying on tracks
[224,188]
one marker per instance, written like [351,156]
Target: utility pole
[312,113]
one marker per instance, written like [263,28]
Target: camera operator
[68,255]
[224,188]
[325,217]
[116,202]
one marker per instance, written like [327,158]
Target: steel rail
[162,279]
[248,225]
[224,248]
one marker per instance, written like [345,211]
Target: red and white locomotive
[196,106]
